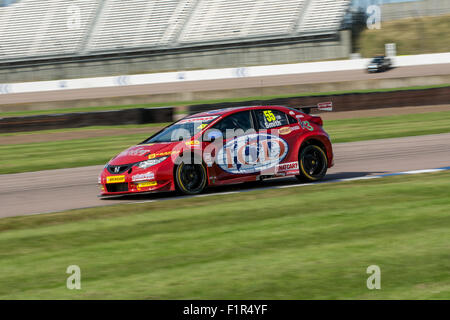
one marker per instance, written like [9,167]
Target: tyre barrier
[84,119]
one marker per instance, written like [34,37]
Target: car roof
[228,111]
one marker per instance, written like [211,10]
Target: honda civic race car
[220,147]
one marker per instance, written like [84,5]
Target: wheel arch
[312,141]
[322,142]
[198,156]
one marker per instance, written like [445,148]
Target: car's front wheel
[190,178]
[313,163]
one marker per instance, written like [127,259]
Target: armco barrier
[83,119]
[350,101]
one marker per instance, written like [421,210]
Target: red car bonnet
[143,152]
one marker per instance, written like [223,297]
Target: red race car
[225,146]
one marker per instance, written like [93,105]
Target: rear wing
[322,106]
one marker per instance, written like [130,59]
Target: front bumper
[154,179]
[133,188]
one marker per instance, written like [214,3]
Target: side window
[241,120]
[268,119]
[292,120]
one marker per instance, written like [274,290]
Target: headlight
[149,163]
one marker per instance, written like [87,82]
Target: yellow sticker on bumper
[115,179]
[147,184]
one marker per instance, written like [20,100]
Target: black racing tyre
[313,163]
[190,178]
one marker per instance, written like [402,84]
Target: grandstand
[135,24]
[323,16]
[219,20]
[32,31]
[41,28]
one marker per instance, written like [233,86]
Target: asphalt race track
[224,84]
[64,189]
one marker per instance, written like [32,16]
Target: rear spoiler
[322,106]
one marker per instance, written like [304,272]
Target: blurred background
[81,80]
[48,40]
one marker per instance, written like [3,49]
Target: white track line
[304,184]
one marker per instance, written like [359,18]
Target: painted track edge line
[368,177]
[302,184]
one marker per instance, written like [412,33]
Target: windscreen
[181,130]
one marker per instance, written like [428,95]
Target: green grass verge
[312,242]
[64,154]
[92,151]
[86,129]
[412,36]
[185,103]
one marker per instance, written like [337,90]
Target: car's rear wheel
[190,178]
[313,163]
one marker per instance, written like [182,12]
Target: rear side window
[268,119]
[292,120]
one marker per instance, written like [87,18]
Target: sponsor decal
[288,166]
[143,177]
[115,179]
[291,113]
[199,119]
[284,130]
[140,151]
[146,184]
[295,128]
[299,116]
[307,125]
[252,153]
[193,143]
[162,154]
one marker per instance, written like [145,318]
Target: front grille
[117,187]
[119,169]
